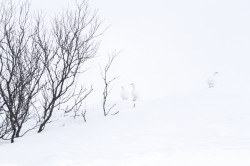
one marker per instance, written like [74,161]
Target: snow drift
[199,128]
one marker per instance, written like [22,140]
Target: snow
[204,127]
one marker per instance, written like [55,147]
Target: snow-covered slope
[207,127]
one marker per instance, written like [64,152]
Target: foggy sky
[170,46]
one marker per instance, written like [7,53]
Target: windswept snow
[207,127]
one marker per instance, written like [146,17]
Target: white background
[169,46]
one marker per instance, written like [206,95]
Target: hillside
[206,127]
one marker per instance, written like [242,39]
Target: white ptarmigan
[212,80]
[124,94]
[134,93]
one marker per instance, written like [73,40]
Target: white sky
[170,46]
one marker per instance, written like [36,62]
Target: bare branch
[107,83]
[71,44]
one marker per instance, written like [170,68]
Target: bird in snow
[124,94]
[212,80]
[134,93]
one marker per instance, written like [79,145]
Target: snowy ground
[206,127]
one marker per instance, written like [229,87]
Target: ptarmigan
[212,80]
[124,94]
[134,93]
